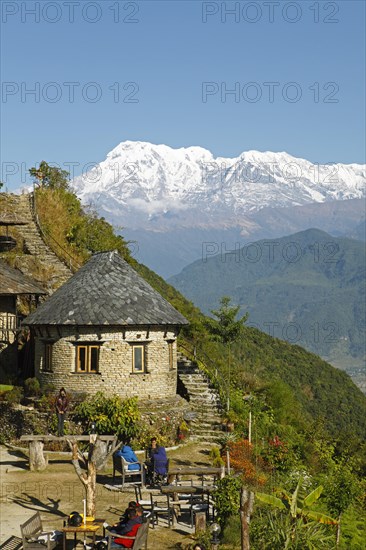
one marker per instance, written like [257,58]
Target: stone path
[203,398]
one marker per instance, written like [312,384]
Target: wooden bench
[120,465]
[140,538]
[31,530]
[37,459]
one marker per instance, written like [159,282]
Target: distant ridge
[307,288]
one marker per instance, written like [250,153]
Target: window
[171,356]
[47,366]
[138,358]
[87,358]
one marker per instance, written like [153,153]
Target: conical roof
[106,291]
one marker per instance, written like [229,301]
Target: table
[90,527]
[173,489]
[196,471]
[176,490]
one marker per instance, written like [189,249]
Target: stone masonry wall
[115,374]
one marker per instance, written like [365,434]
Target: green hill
[307,288]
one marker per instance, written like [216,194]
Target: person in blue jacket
[127,453]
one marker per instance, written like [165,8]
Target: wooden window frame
[171,354]
[143,357]
[48,356]
[88,356]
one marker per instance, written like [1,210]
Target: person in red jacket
[130,528]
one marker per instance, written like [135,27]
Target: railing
[71,263]
[209,367]
[9,325]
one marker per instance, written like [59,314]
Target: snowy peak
[140,181]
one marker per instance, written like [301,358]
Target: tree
[225,328]
[50,176]
[98,454]
[342,489]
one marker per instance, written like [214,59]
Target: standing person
[62,404]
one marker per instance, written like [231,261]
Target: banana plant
[297,508]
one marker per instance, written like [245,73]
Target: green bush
[215,457]
[112,415]
[227,498]
[32,387]
[15,395]
[232,532]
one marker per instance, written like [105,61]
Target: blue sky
[105,72]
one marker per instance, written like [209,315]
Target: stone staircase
[38,261]
[203,399]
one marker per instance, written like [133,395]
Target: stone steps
[38,260]
[203,400]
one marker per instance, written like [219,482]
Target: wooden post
[246,510]
[200,522]
[37,460]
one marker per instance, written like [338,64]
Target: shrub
[14,396]
[32,387]
[215,457]
[227,498]
[112,415]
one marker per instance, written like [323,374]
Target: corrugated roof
[106,291]
[12,281]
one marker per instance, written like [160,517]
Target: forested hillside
[307,288]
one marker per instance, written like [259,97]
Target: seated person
[151,450]
[160,462]
[127,453]
[157,462]
[130,528]
[132,505]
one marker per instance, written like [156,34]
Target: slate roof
[106,291]
[13,282]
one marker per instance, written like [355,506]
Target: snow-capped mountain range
[146,186]
[170,202]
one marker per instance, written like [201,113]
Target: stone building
[106,329]
[14,286]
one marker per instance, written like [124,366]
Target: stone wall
[115,374]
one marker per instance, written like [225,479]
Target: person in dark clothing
[157,463]
[160,462]
[152,449]
[132,505]
[130,528]
[61,404]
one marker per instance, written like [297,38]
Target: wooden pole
[246,510]
[37,460]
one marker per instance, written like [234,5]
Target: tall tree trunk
[91,489]
[246,509]
[97,457]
